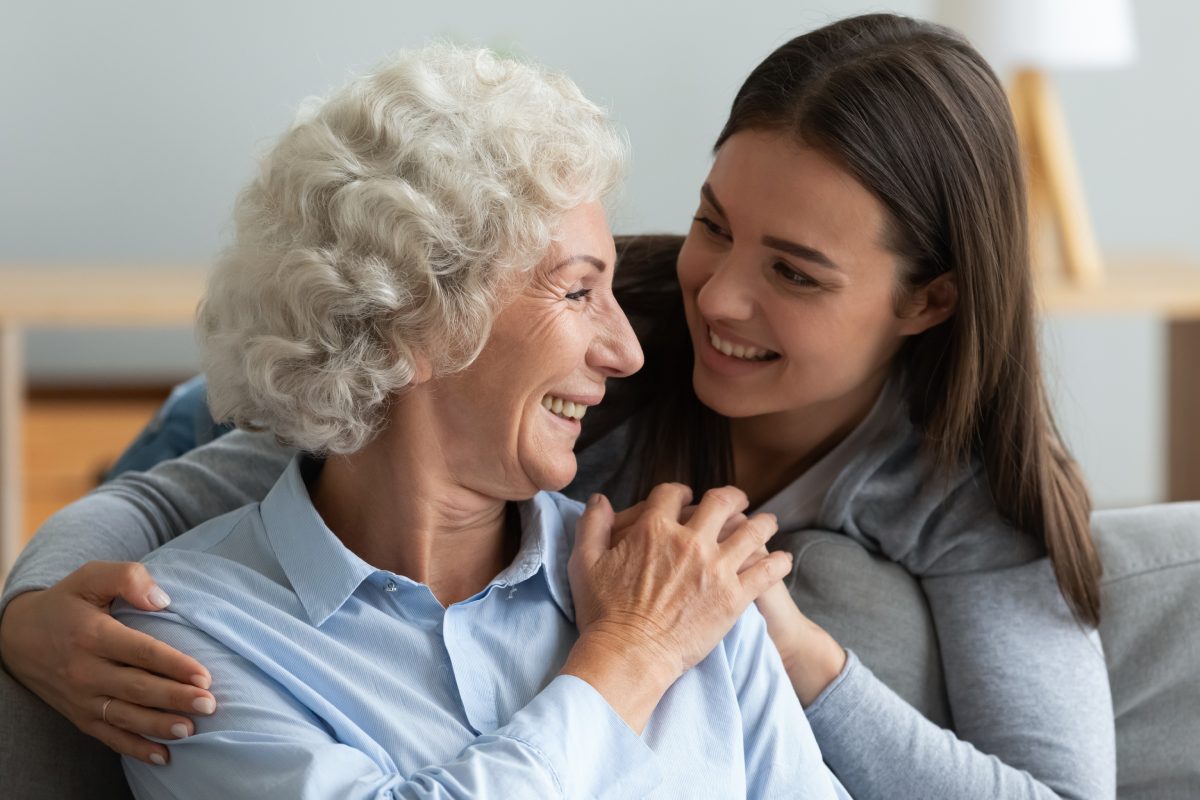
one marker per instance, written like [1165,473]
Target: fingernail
[179,731]
[201,681]
[593,500]
[158,759]
[158,598]
[205,705]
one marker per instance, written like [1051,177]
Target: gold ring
[104,711]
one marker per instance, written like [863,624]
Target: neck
[395,505]
[772,450]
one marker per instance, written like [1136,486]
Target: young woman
[853,344]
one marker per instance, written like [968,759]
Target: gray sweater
[1026,684]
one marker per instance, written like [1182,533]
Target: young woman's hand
[655,603]
[114,683]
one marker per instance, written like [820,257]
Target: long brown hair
[917,116]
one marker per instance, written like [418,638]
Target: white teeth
[737,350]
[564,408]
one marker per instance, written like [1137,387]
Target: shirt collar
[324,573]
[547,533]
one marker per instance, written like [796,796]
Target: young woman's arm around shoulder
[56,634]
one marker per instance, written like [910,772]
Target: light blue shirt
[337,680]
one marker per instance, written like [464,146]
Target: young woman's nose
[728,291]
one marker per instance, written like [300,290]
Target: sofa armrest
[43,755]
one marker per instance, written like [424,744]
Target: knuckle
[87,635]
[130,572]
[658,526]
[76,674]
[727,496]
[144,652]
[138,688]
[690,547]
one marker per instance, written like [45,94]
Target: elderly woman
[419,299]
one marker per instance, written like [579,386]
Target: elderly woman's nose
[616,351]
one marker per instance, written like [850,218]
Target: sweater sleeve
[127,518]
[1030,702]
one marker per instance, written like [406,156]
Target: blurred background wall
[128,127]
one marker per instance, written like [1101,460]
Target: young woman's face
[788,287]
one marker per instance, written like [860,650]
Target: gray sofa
[1150,628]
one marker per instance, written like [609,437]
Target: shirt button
[391,586]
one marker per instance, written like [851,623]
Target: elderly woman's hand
[114,683]
[655,603]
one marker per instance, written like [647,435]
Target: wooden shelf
[1162,287]
[69,297]
[70,441]
[99,296]
[123,296]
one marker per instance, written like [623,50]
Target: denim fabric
[182,424]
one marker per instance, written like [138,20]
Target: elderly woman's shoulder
[224,559]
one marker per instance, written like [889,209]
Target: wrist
[813,664]
[632,676]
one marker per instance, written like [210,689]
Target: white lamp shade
[1050,34]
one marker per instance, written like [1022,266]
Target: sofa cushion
[874,607]
[1150,624]
[1150,627]
[43,755]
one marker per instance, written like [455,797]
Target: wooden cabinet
[70,440]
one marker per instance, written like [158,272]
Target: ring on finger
[104,711]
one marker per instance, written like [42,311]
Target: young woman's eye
[712,227]
[791,276]
[578,295]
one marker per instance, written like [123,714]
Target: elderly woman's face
[512,417]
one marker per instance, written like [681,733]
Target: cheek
[693,266]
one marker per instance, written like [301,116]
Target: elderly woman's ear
[422,369]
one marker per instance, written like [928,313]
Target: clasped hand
[658,586]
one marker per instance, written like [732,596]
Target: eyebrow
[803,251]
[595,262]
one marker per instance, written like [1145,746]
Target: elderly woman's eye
[579,295]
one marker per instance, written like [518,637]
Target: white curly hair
[389,223]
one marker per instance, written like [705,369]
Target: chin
[556,475]
[726,403]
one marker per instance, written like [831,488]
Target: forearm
[127,518]
[1027,689]
[881,747]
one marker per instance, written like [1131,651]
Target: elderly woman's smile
[551,348]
